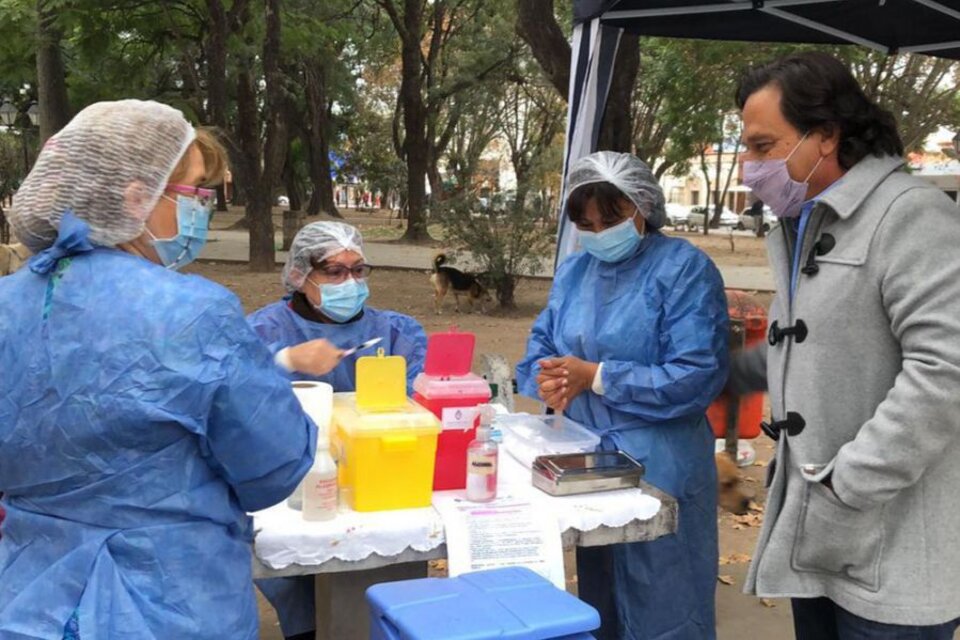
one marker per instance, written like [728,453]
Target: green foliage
[506,238]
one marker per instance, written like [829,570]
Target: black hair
[608,199]
[819,92]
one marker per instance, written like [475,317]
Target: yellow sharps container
[386,443]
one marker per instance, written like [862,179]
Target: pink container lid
[449,353]
[452,387]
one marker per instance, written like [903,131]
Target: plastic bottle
[320,488]
[295,500]
[483,460]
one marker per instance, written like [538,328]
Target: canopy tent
[894,26]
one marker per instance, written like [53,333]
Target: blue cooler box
[512,602]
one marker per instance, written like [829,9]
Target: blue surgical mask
[340,302]
[614,244]
[193,221]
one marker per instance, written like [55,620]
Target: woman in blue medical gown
[324,314]
[633,344]
[140,416]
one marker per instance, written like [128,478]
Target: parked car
[749,222]
[677,214]
[698,215]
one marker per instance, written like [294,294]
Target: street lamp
[8,114]
[10,118]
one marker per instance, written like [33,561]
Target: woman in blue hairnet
[326,313]
[633,344]
[140,416]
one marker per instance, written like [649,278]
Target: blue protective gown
[279,326]
[658,323]
[140,419]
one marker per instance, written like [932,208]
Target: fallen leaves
[748,520]
[728,580]
[767,602]
[734,558]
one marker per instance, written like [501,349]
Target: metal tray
[574,473]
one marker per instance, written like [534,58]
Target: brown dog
[445,279]
[12,257]
[731,495]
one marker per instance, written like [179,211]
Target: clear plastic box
[527,436]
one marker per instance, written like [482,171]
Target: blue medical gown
[279,326]
[658,323]
[140,419]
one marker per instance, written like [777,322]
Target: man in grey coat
[862,365]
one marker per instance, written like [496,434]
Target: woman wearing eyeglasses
[325,313]
[140,417]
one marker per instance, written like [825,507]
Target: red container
[448,389]
[750,319]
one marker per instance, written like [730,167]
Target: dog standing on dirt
[731,495]
[445,279]
[12,256]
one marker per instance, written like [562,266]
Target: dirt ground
[739,616]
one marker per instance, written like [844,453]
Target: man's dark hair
[819,92]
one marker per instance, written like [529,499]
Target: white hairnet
[627,173]
[109,166]
[314,243]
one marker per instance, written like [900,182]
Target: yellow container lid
[381,382]
[408,418]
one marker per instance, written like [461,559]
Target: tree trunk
[318,146]
[52,98]
[260,205]
[216,53]
[293,216]
[414,121]
[617,126]
[537,26]
[506,290]
[717,200]
[292,185]
[436,182]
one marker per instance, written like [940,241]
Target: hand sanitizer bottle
[483,460]
[320,488]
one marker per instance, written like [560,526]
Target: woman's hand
[316,357]
[562,379]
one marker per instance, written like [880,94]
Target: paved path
[232,246]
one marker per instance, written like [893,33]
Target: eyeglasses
[339,272]
[202,194]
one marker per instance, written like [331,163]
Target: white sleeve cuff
[282,359]
[597,386]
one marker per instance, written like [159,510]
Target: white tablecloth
[284,538]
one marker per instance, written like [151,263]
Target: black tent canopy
[893,26]
[930,27]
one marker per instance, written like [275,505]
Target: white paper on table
[506,532]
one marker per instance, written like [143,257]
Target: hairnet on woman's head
[316,242]
[108,166]
[627,173]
